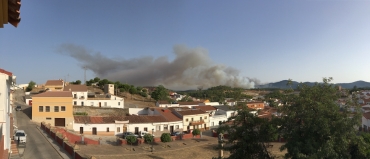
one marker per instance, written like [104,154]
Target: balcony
[196,122]
[82,97]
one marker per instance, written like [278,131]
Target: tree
[196,132]
[78,82]
[131,139]
[166,137]
[96,79]
[30,86]
[133,90]
[315,127]
[148,138]
[249,135]
[160,93]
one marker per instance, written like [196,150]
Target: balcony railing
[196,122]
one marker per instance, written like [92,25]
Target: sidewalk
[55,145]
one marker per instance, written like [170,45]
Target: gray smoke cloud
[192,67]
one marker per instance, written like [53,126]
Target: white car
[142,133]
[20,136]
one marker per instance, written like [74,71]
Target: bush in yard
[166,137]
[148,138]
[196,132]
[131,139]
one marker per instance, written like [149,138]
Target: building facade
[53,107]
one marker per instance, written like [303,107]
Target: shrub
[148,138]
[196,132]
[80,113]
[166,137]
[131,139]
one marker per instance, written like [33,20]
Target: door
[124,129]
[137,130]
[94,132]
[81,130]
[171,129]
[99,104]
[205,126]
[60,122]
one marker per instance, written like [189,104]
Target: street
[37,146]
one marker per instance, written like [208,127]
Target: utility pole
[85,74]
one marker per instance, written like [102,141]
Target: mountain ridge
[283,84]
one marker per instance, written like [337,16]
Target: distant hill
[283,84]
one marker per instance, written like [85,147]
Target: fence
[67,140]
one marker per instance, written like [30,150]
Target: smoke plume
[192,67]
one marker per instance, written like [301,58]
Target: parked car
[125,134]
[20,136]
[18,108]
[142,133]
[176,133]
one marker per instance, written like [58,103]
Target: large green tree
[315,127]
[160,93]
[30,86]
[248,135]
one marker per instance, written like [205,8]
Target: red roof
[168,114]
[97,119]
[366,115]
[6,72]
[145,119]
[205,108]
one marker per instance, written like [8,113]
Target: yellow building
[54,85]
[54,107]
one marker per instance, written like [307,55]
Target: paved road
[37,146]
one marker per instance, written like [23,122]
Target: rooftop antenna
[85,74]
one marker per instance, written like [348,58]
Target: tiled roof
[223,107]
[168,115]
[188,103]
[54,82]
[191,112]
[54,94]
[6,72]
[96,119]
[205,108]
[76,88]
[145,119]
[366,115]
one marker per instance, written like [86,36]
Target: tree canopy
[160,93]
[30,86]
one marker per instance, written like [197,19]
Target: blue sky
[265,40]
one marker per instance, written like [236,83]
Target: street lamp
[152,138]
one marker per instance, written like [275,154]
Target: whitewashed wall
[99,127]
[138,111]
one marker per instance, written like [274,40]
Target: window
[201,118]
[41,108]
[82,103]
[47,109]
[145,129]
[187,119]
[192,119]
[105,103]
[92,103]
[74,102]
[56,108]
[48,118]
[63,108]
[118,129]
[107,129]
[119,103]
[205,117]
[177,127]
[165,127]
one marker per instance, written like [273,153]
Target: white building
[366,121]
[226,110]
[103,126]
[81,97]
[7,79]
[109,88]
[165,104]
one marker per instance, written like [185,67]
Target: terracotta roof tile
[188,103]
[6,72]
[145,119]
[163,102]
[366,115]
[205,108]
[54,94]
[96,119]
[54,82]
[167,114]
[191,112]
[75,88]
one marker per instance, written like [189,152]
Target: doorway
[94,132]
[81,130]
[99,104]
[171,129]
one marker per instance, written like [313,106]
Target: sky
[185,44]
